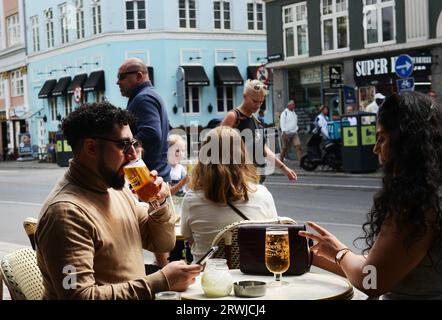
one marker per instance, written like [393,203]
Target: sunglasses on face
[123,144]
[123,75]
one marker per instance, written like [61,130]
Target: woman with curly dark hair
[404,229]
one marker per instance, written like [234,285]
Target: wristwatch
[340,255]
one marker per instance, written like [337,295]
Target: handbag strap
[242,215]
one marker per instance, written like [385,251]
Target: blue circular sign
[404,66]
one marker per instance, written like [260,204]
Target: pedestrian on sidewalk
[404,229]
[91,230]
[152,124]
[289,131]
[321,122]
[243,119]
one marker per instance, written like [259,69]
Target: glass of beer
[277,253]
[141,180]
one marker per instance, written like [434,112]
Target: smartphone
[207,256]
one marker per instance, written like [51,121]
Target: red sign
[78,94]
[263,74]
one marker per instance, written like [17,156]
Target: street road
[339,204]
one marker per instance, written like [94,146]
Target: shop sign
[25,147]
[312,75]
[349,95]
[275,57]
[378,66]
[335,74]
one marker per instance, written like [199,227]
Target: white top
[289,121]
[372,107]
[321,121]
[202,219]
[178,172]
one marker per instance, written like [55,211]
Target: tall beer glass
[141,180]
[277,253]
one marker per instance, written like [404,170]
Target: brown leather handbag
[251,242]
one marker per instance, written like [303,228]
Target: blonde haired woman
[225,176]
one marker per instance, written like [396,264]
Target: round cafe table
[309,286]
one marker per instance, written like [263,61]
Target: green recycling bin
[358,140]
[63,150]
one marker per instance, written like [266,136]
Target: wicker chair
[227,239]
[22,275]
[30,225]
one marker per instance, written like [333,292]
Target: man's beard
[111,178]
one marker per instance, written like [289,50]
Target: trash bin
[358,140]
[63,150]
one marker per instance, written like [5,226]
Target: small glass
[216,280]
[277,254]
[168,295]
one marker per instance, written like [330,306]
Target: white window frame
[64,30]
[224,99]
[189,94]
[187,15]
[17,83]
[53,109]
[255,4]
[35,34]
[334,17]
[96,17]
[79,19]
[295,24]
[136,12]
[222,19]
[378,7]
[67,104]
[13,30]
[49,23]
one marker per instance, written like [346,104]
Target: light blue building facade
[76,46]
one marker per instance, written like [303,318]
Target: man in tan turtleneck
[91,230]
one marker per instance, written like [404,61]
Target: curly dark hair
[412,170]
[94,119]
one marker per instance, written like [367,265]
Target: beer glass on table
[141,180]
[277,253]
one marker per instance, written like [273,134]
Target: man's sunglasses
[124,144]
[123,75]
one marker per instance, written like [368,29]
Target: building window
[96,17]
[225,98]
[35,34]
[67,105]
[416,20]
[221,14]
[295,30]
[379,22]
[192,99]
[255,15]
[79,15]
[49,15]
[187,14]
[334,17]
[17,83]
[53,108]
[135,15]
[13,27]
[64,23]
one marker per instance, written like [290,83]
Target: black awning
[46,90]
[95,82]
[227,76]
[195,76]
[78,81]
[150,72]
[251,72]
[61,86]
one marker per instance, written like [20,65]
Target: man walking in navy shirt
[152,125]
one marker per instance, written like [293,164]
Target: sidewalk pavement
[14,165]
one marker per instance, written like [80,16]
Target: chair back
[227,239]
[30,225]
[22,276]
